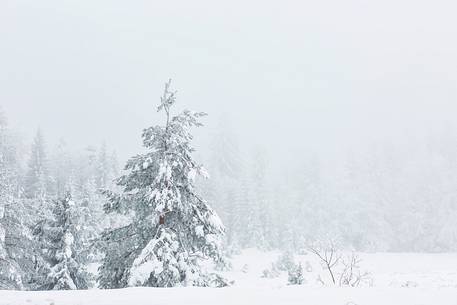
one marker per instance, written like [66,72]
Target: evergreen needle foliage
[172,229]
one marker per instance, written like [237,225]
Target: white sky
[292,75]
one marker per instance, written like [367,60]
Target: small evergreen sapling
[296,275]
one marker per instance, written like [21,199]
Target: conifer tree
[59,240]
[173,229]
[17,250]
[62,168]
[90,218]
[102,167]
[37,178]
[10,273]
[10,269]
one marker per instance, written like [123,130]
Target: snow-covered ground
[387,270]
[403,279]
[296,295]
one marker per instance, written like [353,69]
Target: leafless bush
[351,274]
[329,257]
[343,271]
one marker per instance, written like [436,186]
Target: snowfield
[238,296]
[403,279]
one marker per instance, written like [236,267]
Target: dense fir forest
[152,222]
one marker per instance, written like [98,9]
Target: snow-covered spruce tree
[226,166]
[37,178]
[58,239]
[295,275]
[103,168]
[90,219]
[173,229]
[17,249]
[10,273]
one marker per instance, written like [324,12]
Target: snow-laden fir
[61,243]
[172,228]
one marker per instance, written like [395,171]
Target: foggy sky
[291,75]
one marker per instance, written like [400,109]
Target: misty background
[349,108]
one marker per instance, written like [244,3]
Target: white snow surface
[403,279]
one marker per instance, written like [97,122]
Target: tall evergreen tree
[17,250]
[10,269]
[260,209]
[102,167]
[226,190]
[91,219]
[61,168]
[37,178]
[10,273]
[172,228]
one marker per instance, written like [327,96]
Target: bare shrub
[351,274]
[343,270]
[328,255]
